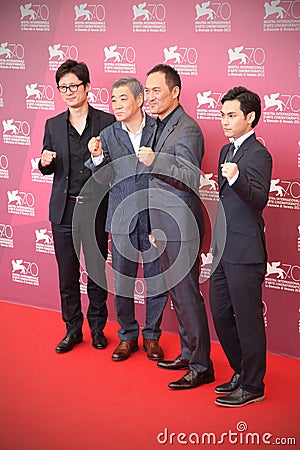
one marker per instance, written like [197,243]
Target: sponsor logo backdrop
[214,46]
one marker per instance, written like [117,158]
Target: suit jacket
[175,207]
[56,139]
[128,178]
[239,226]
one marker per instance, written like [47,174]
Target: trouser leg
[94,243]
[180,265]
[68,269]
[125,266]
[157,295]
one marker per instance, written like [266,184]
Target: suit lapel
[124,138]
[151,144]
[239,154]
[95,124]
[223,154]
[171,124]
[148,133]
[243,148]
[64,138]
[146,139]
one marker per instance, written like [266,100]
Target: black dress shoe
[175,364]
[193,379]
[68,342]
[239,397]
[99,341]
[226,388]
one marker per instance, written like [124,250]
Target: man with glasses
[78,206]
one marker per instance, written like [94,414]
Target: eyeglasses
[72,88]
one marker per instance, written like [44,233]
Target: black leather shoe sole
[238,398]
[241,403]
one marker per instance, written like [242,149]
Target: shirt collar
[238,142]
[141,127]
[168,117]
[89,114]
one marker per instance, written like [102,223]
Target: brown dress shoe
[124,349]
[153,349]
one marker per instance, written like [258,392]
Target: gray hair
[135,86]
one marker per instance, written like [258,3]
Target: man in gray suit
[114,160]
[177,224]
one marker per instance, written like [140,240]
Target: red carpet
[84,401]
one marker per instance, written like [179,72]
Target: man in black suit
[64,154]
[176,218]
[239,249]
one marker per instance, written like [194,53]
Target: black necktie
[159,129]
[230,152]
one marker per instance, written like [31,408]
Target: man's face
[125,107]
[160,99]
[74,99]
[233,121]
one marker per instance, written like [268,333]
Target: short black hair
[171,75]
[79,69]
[250,101]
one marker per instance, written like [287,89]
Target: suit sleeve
[181,167]
[102,173]
[47,145]
[253,184]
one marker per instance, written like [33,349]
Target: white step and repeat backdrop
[214,45]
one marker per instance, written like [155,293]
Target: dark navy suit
[239,263]
[128,223]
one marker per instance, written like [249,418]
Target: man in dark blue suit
[64,154]
[114,160]
[239,249]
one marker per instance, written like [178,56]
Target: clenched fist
[47,157]
[95,146]
[146,156]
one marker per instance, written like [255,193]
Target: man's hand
[229,170]
[146,156]
[47,157]
[152,240]
[95,146]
